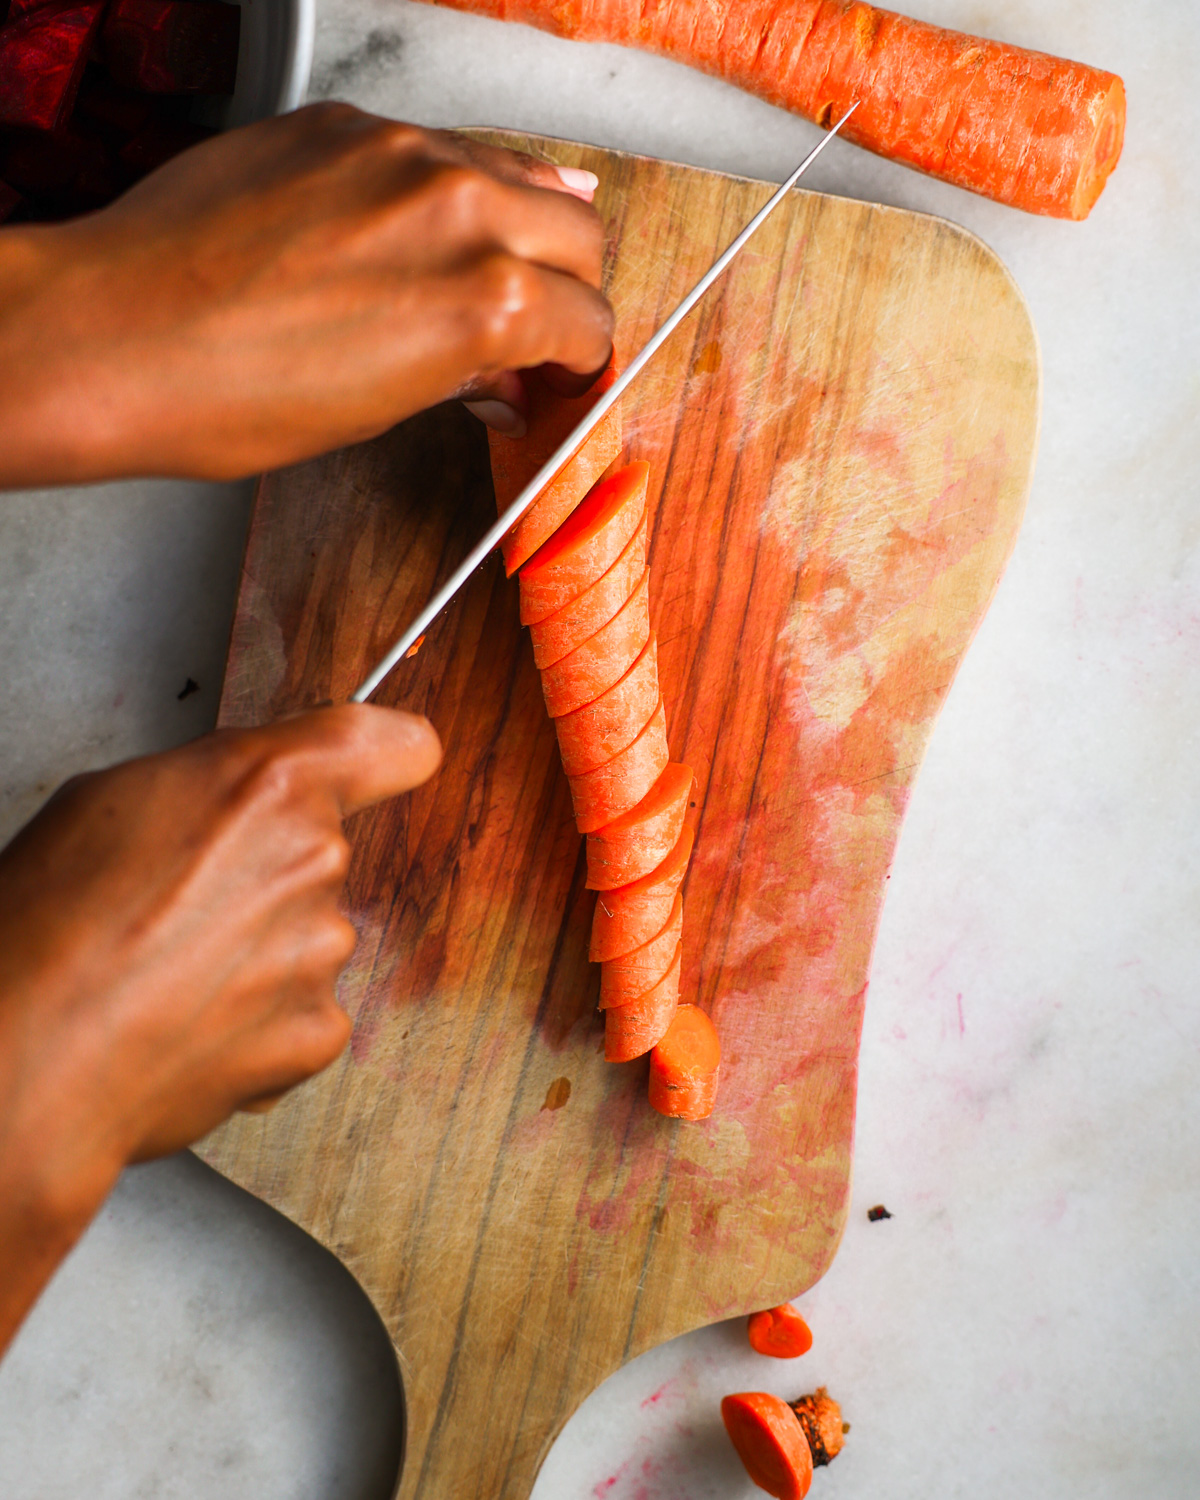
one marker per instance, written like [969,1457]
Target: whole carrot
[1030,130]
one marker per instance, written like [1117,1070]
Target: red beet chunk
[121,113]
[159,142]
[19,8]
[42,58]
[69,171]
[172,46]
[10,201]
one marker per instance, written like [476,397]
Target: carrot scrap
[590,735]
[619,784]
[1034,131]
[821,1418]
[516,460]
[780,1332]
[626,918]
[770,1442]
[685,1067]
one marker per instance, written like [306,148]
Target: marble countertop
[1028,1323]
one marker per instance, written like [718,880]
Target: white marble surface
[1028,1324]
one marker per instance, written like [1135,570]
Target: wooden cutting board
[841,442]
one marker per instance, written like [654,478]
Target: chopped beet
[173,46]
[10,201]
[159,142]
[121,112]
[19,8]
[70,171]
[42,58]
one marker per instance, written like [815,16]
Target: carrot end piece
[780,1332]
[770,1443]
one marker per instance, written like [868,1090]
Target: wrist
[62,414]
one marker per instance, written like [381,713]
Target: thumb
[363,753]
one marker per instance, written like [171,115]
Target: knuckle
[402,139]
[509,290]
[326,115]
[462,194]
[326,1034]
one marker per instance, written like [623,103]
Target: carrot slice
[590,735]
[639,840]
[685,1068]
[569,626]
[625,979]
[516,460]
[621,783]
[603,659]
[626,918]
[631,1030]
[780,1332]
[586,545]
[770,1442]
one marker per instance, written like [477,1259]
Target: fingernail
[578,181]
[499,416]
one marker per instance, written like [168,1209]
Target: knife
[493,536]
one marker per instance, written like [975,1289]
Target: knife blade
[492,537]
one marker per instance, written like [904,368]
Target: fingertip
[579,182]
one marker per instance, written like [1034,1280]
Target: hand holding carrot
[287,288]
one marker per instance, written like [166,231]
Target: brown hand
[169,943]
[283,289]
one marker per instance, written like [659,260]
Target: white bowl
[274,62]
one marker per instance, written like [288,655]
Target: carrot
[770,1442]
[627,978]
[1027,129]
[780,1332]
[821,1418]
[632,1030]
[516,460]
[685,1067]
[620,783]
[638,841]
[590,735]
[567,627]
[585,545]
[603,659]
[626,918]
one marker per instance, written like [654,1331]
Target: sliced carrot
[770,1442]
[569,626]
[639,840]
[603,659]
[1035,131]
[516,460]
[631,1030]
[685,1067]
[586,545]
[600,729]
[626,918]
[780,1332]
[625,979]
[621,783]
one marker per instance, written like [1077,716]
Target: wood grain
[841,442]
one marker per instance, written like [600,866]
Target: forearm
[60,415]
[52,1182]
